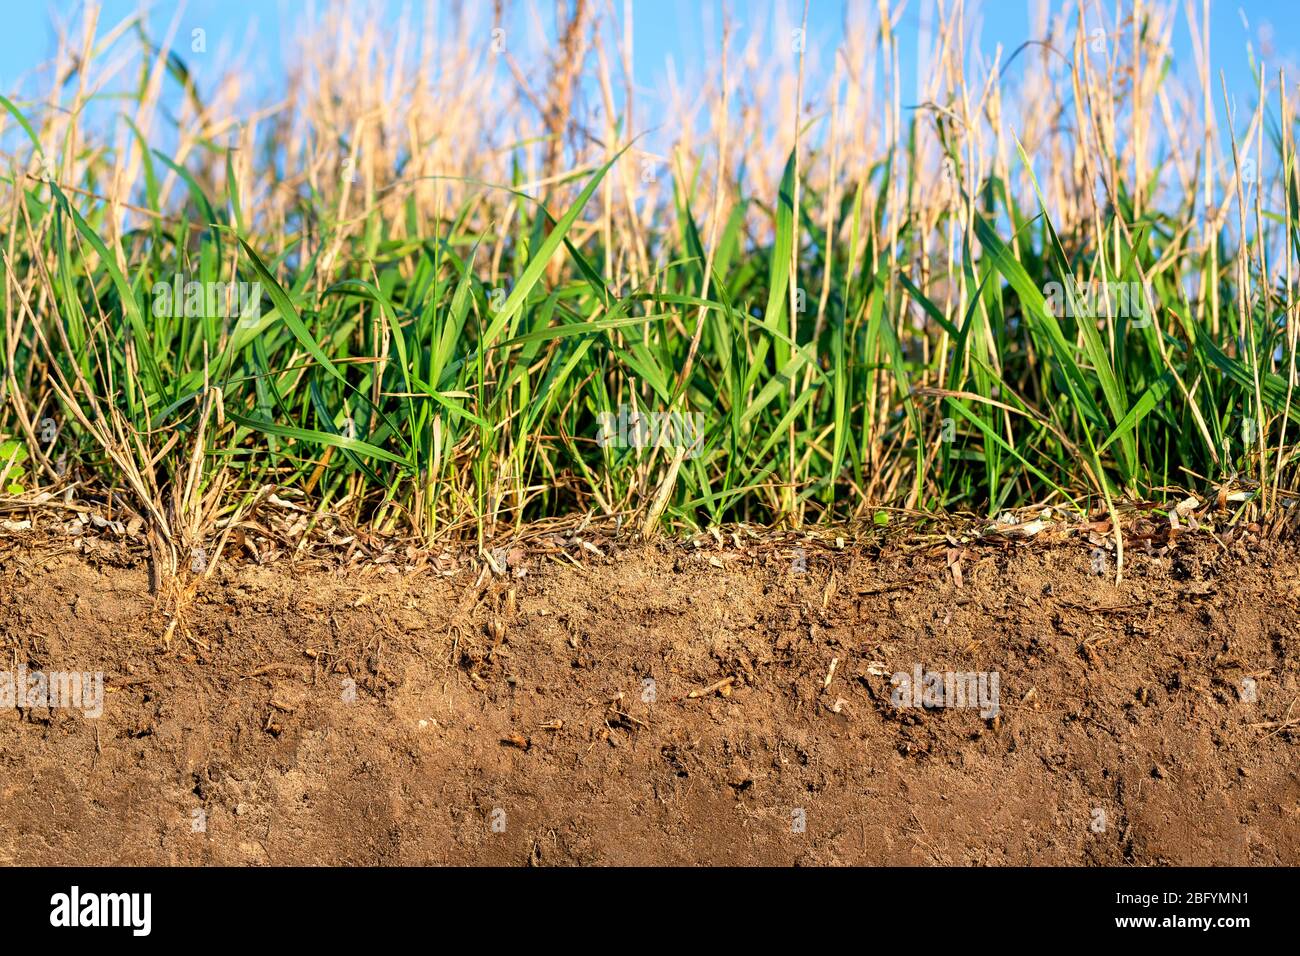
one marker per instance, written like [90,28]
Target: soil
[451,715]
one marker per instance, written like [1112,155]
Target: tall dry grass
[842,269]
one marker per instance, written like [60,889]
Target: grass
[867,305]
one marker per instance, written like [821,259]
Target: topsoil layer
[659,705]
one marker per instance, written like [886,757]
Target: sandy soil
[545,716]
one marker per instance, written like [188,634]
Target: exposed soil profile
[313,716]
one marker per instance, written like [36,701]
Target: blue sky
[682,32]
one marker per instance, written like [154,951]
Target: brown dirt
[473,707]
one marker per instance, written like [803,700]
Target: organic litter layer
[373,717]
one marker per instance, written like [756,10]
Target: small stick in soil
[627,718]
[715,686]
